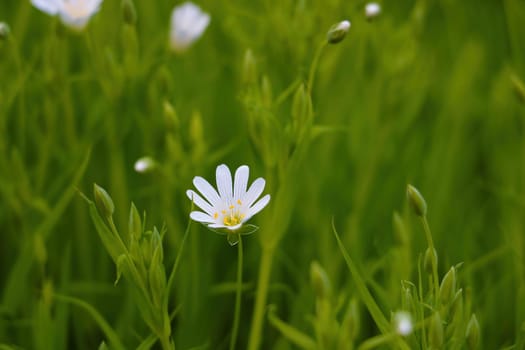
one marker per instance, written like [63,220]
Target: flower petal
[241,181]
[201,203]
[254,192]
[207,190]
[257,207]
[199,216]
[51,7]
[224,182]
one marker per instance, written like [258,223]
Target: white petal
[50,7]
[201,217]
[241,181]
[254,192]
[224,182]
[207,190]
[257,207]
[201,203]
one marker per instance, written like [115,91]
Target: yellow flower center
[232,216]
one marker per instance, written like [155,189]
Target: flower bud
[134,223]
[431,259]
[4,31]
[472,333]
[170,116]
[338,32]
[372,10]
[103,201]
[447,290]
[301,108]
[266,92]
[400,232]
[320,281]
[416,201]
[249,68]
[435,334]
[144,165]
[129,13]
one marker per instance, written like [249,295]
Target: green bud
[400,232]
[249,68]
[266,92]
[472,334]
[301,107]
[457,304]
[156,245]
[121,263]
[134,224]
[103,201]
[129,14]
[351,322]
[170,116]
[431,259]
[447,290]
[338,32]
[157,278]
[320,281]
[197,135]
[4,31]
[103,346]
[435,334]
[407,299]
[416,201]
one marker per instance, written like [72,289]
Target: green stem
[313,67]
[260,299]
[435,276]
[237,313]
[166,343]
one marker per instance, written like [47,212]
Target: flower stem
[260,299]
[237,313]
[313,67]
[435,277]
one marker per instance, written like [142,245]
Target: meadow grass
[429,93]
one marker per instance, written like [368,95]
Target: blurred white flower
[144,164]
[73,13]
[188,22]
[403,323]
[372,9]
[233,205]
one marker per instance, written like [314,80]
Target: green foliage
[427,93]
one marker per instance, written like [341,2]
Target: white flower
[188,22]
[403,323]
[73,13]
[233,205]
[144,164]
[372,9]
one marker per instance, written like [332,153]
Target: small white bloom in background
[73,13]
[4,31]
[188,23]
[144,165]
[403,323]
[372,9]
[233,205]
[338,32]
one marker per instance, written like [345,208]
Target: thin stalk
[313,67]
[166,343]
[260,299]
[435,276]
[237,312]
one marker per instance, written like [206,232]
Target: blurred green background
[429,93]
